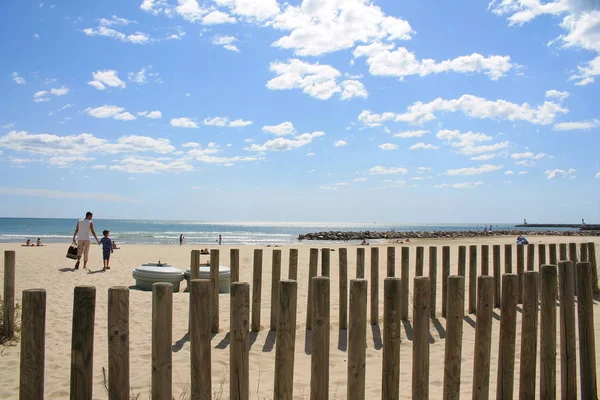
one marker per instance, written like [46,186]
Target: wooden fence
[544,284]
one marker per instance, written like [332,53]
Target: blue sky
[320,110]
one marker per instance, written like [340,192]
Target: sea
[56,230]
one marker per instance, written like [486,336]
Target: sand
[46,267]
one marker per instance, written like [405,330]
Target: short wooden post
[568,358]
[552,253]
[404,265]
[162,339]
[391,261]
[420,359]
[573,257]
[530,257]
[520,271]
[214,287]
[433,276]
[508,268]
[195,265]
[541,254]
[234,258]
[508,332]
[325,262]
[583,252]
[485,259]
[587,340]
[374,286]
[360,263]
[497,274]
[9,294]
[82,342]
[472,279]
[118,343]
[462,261]
[343,308]
[257,288]
[445,275]
[391,339]
[548,332]
[313,265]
[200,352]
[562,252]
[275,278]
[293,267]
[454,332]
[357,340]
[419,260]
[529,324]
[239,347]
[33,344]
[285,343]
[483,337]
[319,379]
[594,266]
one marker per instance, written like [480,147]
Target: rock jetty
[360,235]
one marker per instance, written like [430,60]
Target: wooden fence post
[286,340]
[293,265]
[391,261]
[483,338]
[530,257]
[319,379]
[391,339]
[162,339]
[420,359]
[33,344]
[325,262]
[239,347]
[472,278]
[541,255]
[360,263]
[587,341]
[118,343]
[562,252]
[214,287]
[9,293]
[234,256]
[275,278]
[404,266]
[485,259]
[583,252]
[313,266]
[462,261]
[357,340]
[573,257]
[508,259]
[568,358]
[520,271]
[257,288]
[200,353]
[82,342]
[195,265]
[548,332]
[343,264]
[433,278]
[445,275]
[529,324]
[594,266]
[454,333]
[508,331]
[497,274]
[553,256]
[374,286]
[419,260]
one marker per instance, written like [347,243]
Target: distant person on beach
[522,240]
[181,239]
[82,233]
[39,242]
[219,240]
[107,249]
[27,243]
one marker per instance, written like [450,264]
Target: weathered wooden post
[508,259]
[343,308]
[594,266]
[313,265]
[454,332]
[527,375]
[239,347]
[293,267]
[404,265]
[391,339]
[548,332]
[462,261]
[445,275]
[420,361]
[360,263]
[583,252]
[162,339]
[472,278]
[530,257]
[257,288]
[319,379]
[275,278]
[573,257]
[485,259]
[82,342]
[234,258]
[286,340]
[391,261]
[508,332]
[325,262]
[419,260]
[568,358]
[483,338]
[194,265]
[118,343]
[433,278]
[214,287]
[374,286]
[587,341]
[541,255]
[520,271]
[497,274]
[357,339]
[33,344]
[200,352]
[9,293]
[562,252]
[553,255]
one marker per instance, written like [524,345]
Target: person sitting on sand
[204,251]
[115,245]
[364,243]
[39,242]
[522,240]
[27,243]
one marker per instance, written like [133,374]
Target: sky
[314,110]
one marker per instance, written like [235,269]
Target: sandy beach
[46,267]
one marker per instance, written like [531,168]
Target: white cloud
[65,161]
[218,17]
[191,144]
[388,146]
[208,155]
[107,78]
[150,114]
[106,111]
[251,10]
[576,125]
[379,170]
[41,96]
[56,194]
[60,91]
[598,175]
[559,173]
[156,7]
[125,116]
[285,144]
[114,20]
[285,128]
[509,172]
[226,41]
[464,185]
[190,10]
[424,146]
[526,163]
[483,157]
[137,165]
[587,72]
[371,119]
[18,79]
[555,94]
[9,126]
[225,121]
[384,60]
[529,155]
[470,149]
[353,88]
[361,179]
[340,143]
[408,134]
[139,77]
[183,123]
[483,169]
[36,36]
[523,172]
[135,38]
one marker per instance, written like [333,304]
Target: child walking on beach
[107,248]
